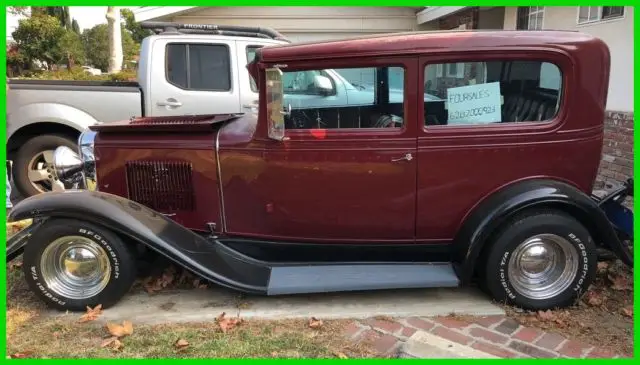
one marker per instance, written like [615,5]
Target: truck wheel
[540,260]
[71,264]
[33,170]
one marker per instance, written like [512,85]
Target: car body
[45,114]
[487,180]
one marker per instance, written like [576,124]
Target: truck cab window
[199,66]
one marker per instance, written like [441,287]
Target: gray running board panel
[356,277]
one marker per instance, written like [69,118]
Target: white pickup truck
[183,69]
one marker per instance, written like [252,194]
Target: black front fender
[475,233]
[131,220]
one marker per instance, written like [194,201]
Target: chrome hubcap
[42,174]
[75,267]
[543,266]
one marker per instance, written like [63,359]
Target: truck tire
[540,260]
[32,156]
[71,264]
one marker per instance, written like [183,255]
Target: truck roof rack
[228,30]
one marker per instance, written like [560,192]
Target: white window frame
[531,14]
[539,10]
[599,18]
[459,74]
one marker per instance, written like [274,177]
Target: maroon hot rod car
[440,158]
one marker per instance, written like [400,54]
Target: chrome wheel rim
[41,173]
[543,266]
[75,267]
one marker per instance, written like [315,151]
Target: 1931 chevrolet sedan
[479,168]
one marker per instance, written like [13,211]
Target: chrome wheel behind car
[539,260]
[33,170]
[543,266]
[42,174]
[75,267]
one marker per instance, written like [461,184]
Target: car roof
[429,41]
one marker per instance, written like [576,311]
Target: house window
[198,66]
[589,14]
[493,92]
[530,17]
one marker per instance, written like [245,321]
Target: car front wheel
[72,264]
[540,260]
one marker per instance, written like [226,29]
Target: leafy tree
[59,12]
[70,49]
[96,45]
[75,27]
[137,33]
[17,10]
[38,37]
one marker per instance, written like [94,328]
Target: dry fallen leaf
[315,323]
[546,315]
[92,313]
[627,312]
[181,344]
[120,330]
[594,299]
[340,355]
[112,342]
[603,266]
[227,324]
[21,355]
[620,283]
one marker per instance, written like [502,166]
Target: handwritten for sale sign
[474,104]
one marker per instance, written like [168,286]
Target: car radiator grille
[161,185]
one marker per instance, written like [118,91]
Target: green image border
[316,3]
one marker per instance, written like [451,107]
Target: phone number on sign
[476,112]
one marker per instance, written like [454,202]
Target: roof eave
[145,13]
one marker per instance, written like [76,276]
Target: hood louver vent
[164,186]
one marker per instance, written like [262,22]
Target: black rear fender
[476,231]
[131,220]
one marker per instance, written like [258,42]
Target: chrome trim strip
[220,192]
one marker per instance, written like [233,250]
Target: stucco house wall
[617,155]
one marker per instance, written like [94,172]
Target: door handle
[407,157]
[169,102]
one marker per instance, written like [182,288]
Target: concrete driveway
[202,305]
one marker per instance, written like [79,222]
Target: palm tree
[115,39]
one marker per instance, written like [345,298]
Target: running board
[356,277]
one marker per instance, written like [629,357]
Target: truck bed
[105,101]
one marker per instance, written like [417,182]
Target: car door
[193,76]
[349,181]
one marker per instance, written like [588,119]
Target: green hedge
[78,74]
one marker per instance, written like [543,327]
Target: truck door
[192,76]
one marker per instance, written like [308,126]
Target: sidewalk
[496,335]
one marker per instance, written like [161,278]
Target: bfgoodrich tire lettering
[119,279]
[504,285]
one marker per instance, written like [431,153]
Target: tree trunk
[115,39]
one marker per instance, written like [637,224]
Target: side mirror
[323,85]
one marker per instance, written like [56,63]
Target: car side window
[360,98]
[203,67]
[486,93]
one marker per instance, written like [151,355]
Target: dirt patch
[603,317]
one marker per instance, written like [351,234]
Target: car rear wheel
[33,166]
[540,260]
[71,264]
